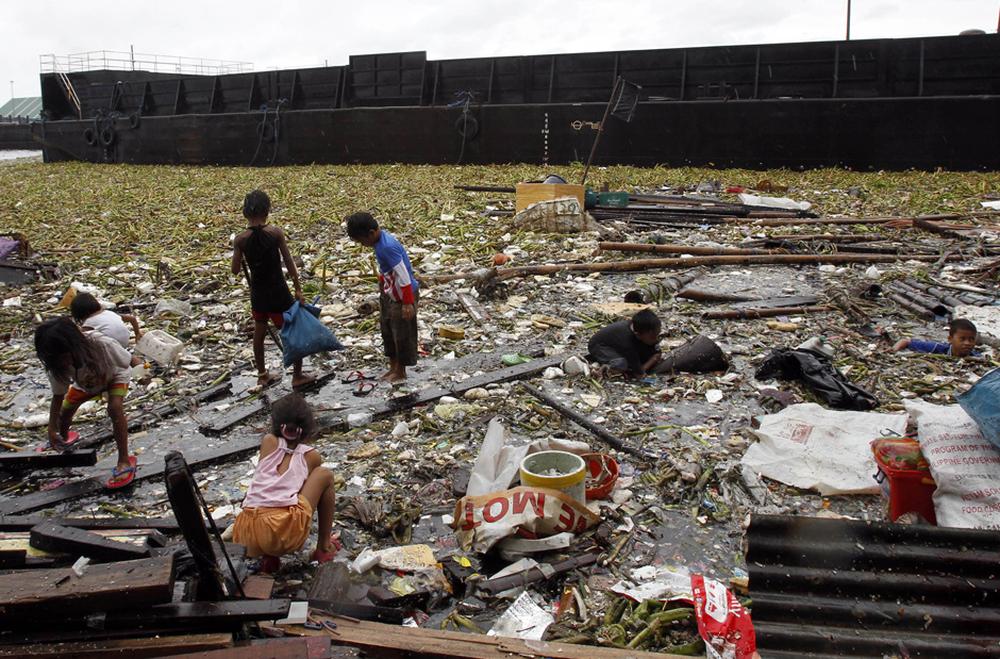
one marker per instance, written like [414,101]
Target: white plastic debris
[359,419]
[523,619]
[713,395]
[872,272]
[774,202]
[401,429]
[80,566]
[576,366]
[552,373]
[160,347]
[171,307]
[365,561]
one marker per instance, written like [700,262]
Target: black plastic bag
[818,374]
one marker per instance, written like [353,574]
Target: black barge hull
[882,104]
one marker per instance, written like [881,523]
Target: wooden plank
[52,537]
[431,394]
[472,307]
[530,193]
[181,615]
[314,647]
[360,611]
[387,641]
[39,500]
[48,593]
[27,522]
[134,648]
[157,414]
[258,586]
[247,410]
[233,416]
[29,459]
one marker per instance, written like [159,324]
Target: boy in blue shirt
[962,337]
[399,293]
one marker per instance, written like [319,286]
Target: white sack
[811,447]
[964,464]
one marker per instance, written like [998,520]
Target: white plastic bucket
[556,470]
[160,347]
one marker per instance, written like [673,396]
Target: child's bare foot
[387,375]
[266,379]
[395,377]
[302,380]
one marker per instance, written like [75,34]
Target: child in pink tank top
[288,485]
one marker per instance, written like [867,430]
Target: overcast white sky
[297,33]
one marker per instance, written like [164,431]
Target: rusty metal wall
[843,588]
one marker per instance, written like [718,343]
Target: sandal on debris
[124,477]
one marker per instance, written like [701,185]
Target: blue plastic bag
[303,334]
[982,403]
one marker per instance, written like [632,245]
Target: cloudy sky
[296,33]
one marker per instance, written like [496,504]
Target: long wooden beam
[381,640]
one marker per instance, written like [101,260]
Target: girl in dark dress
[262,247]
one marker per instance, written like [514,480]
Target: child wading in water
[82,365]
[262,247]
[288,485]
[398,297]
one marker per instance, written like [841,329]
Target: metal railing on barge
[114,60]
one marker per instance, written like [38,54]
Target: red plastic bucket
[911,486]
[602,474]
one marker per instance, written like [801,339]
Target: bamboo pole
[824,237]
[732,314]
[599,431]
[673,263]
[683,249]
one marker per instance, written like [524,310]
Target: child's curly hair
[293,415]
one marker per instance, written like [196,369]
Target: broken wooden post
[733,314]
[584,422]
[187,510]
[699,295]
[78,542]
[491,587]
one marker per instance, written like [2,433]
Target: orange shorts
[76,397]
[274,531]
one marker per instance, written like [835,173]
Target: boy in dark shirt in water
[629,346]
[262,247]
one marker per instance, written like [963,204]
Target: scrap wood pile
[898,255]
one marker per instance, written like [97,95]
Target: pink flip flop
[122,478]
[72,437]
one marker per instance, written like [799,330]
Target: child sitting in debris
[628,346]
[287,486]
[262,247]
[83,364]
[398,295]
[962,336]
[89,314]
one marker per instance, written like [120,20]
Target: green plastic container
[617,199]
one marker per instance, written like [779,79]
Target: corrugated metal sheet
[843,588]
[28,107]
